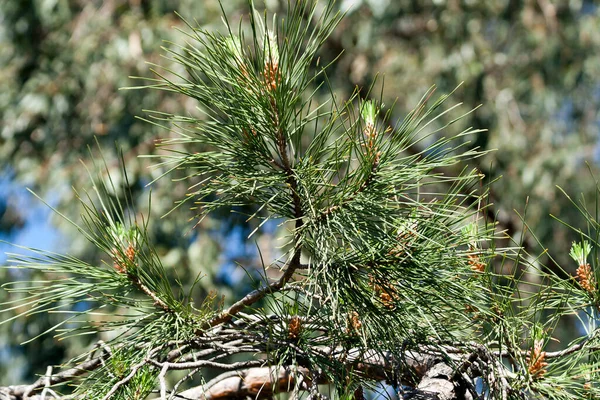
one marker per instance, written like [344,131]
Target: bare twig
[157,301]
[163,381]
[205,363]
[179,382]
[47,385]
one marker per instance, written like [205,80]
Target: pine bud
[354,323]
[585,275]
[406,234]
[586,278]
[536,363]
[130,252]
[120,267]
[386,293]
[294,327]
[475,263]
[271,72]
[470,232]
[120,264]
[369,113]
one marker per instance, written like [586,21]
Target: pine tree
[385,275]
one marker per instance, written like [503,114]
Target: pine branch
[436,377]
[446,373]
[252,298]
[22,391]
[397,284]
[146,290]
[244,380]
[294,264]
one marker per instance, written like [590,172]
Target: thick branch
[246,378]
[255,383]
[447,372]
[262,383]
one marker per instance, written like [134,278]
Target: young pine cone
[294,327]
[585,277]
[536,364]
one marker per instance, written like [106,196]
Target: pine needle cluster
[387,265]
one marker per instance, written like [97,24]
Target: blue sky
[37,230]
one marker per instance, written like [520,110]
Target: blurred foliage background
[533,65]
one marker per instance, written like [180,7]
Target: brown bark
[435,380]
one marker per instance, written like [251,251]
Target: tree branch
[294,264]
[20,391]
[248,377]
[446,371]
[252,298]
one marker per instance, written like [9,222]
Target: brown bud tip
[294,327]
